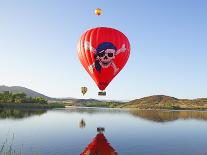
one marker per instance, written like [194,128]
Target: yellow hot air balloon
[98,11]
[84,90]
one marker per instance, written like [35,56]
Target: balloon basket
[100,129]
[102,93]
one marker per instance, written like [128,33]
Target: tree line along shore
[21,100]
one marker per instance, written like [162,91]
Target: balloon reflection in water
[82,124]
[99,145]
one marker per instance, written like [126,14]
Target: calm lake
[59,132]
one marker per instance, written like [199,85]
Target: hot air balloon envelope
[103,53]
[84,90]
[98,11]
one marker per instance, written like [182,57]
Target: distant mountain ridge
[32,93]
[19,89]
[149,102]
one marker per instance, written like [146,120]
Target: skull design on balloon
[104,55]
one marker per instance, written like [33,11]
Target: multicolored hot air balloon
[103,53]
[98,11]
[84,90]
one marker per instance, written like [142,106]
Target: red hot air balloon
[103,52]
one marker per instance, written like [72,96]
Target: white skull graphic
[105,57]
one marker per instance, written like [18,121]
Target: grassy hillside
[165,102]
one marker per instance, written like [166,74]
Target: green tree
[19,98]
[6,97]
[40,100]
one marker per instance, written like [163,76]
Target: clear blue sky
[168,39]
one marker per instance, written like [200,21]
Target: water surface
[130,132]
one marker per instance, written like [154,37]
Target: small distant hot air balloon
[84,90]
[98,11]
[103,52]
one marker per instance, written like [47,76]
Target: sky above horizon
[38,40]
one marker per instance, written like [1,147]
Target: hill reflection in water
[151,115]
[166,116]
[19,113]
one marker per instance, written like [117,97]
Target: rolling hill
[166,102]
[18,89]
[150,102]
[67,100]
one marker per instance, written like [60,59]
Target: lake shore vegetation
[21,100]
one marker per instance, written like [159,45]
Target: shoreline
[60,105]
[30,106]
[160,109]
